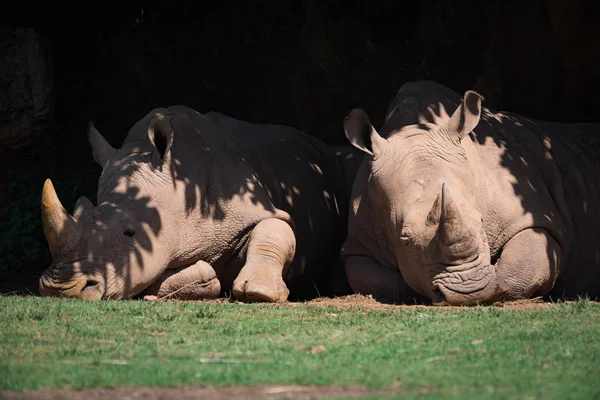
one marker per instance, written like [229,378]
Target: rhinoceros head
[118,248]
[422,192]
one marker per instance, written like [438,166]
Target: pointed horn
[455,237]
[59,226]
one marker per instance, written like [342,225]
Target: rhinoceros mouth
[494,291]
[468,283]
[465,278]
[51,285]
[91,291]
[70,280]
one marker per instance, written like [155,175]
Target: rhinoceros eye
[128,228]
[129,232]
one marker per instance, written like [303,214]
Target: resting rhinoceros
[195,206]
[460,210]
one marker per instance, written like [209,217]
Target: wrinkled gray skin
[459,204]
[195,206]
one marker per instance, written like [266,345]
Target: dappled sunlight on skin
[181,189]
[528,175]
[102,256]
[290,193]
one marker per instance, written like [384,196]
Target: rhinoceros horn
[457,241]
[59,226]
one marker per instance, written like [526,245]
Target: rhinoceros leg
[386,285]
[529,264]
[194,282]
[271,249]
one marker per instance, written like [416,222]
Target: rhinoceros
[194,206]
[456,204]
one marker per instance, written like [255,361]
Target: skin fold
[195,206]
[459,204]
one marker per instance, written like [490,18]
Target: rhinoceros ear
[361,133]
[83,209]
[466,117]
[160,133]
[101,149]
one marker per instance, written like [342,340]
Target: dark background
[299,63]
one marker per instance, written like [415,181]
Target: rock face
[26,95]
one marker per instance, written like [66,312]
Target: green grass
[478,352]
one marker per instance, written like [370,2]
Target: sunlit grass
[483,351]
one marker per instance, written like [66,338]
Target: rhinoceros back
[561,161]
[576,151]
[305,178]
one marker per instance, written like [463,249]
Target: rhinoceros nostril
[91,291]
[90,283]
[438,298]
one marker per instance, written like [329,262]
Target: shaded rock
[26,95]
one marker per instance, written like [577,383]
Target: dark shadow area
[303,64]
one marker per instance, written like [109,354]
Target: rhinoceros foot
[260,283]
[271,248]
[195,282]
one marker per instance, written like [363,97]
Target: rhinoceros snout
[492,292]
[78,286]
[91,291]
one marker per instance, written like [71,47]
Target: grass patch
[489,351]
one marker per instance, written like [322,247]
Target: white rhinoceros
[193,206]
[471,206]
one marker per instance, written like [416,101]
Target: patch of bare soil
[368,302]
[356,300]
[206,393]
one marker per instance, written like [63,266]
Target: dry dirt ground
[206,393]
[367,302]
[259,392]
[361,301]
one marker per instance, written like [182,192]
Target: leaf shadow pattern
[554,170]
[162,207]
